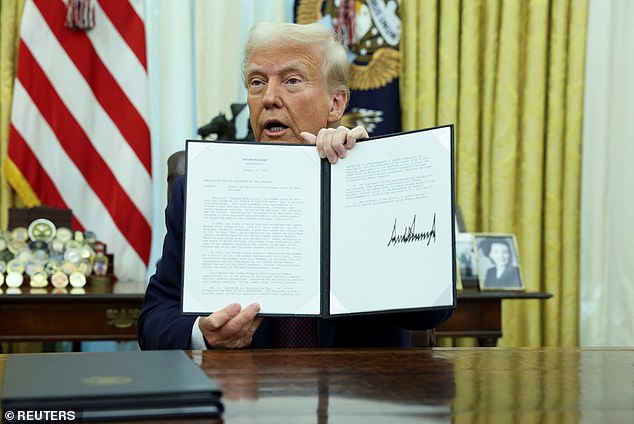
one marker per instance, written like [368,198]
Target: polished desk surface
[474,385]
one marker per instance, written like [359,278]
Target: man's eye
[256,83]
[293,81]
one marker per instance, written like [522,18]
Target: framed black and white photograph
[498,262]
[466,256]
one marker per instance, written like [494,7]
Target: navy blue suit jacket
[162,326]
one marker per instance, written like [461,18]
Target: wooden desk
[66,315]
[440,385]
[51,316]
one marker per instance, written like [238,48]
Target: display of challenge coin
[32,266]
[72,255]
[14,279]
[58,245]
[52,267]
[38,279]
[20,234]
[77,279]
[90,237]
[86,252]
[24,254]
[85,267]
[68,267]
[64,234]
[6,255]
[39,249]
[59,279]
[16,266]
[16,245]
[42,229]
[79,236]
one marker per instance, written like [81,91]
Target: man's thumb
[310,138]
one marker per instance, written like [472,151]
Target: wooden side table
[478,314]
[54,315]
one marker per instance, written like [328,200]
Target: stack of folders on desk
[110,386]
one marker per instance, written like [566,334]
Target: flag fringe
[20,184]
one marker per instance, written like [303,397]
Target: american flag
[79,135]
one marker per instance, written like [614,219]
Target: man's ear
[338,102]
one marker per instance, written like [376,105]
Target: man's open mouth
[275,127]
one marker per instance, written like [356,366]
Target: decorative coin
[14,279]
[15,266]
[64,234]
[59,279]
[39,279]
[42,229]
[20,234]
[77,279]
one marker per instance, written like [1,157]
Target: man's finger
[324,144]
[310,138]
[339,140]
[245,317]
[221,317]
[357,133]
[235,332]
[253,328]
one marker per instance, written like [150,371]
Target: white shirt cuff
[198,341]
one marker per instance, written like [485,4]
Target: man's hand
[333,143]
[231,327]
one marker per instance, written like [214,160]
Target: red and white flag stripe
[79,135]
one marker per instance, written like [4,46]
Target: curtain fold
[509,75]
[10,17]
[607,270]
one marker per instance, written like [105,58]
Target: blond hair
[335,60]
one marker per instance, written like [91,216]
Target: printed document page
[391,224]
[252,227]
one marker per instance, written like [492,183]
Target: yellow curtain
[509,75]
[10,16]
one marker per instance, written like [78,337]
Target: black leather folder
[110,385]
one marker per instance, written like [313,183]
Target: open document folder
[277,225]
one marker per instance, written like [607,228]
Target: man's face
[500,254]
[287,94]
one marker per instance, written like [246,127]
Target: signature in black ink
[410,235]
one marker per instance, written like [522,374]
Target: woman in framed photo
[504,274]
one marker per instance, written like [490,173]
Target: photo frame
[458,277]
[498,262]
[460,225]
[466,257]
